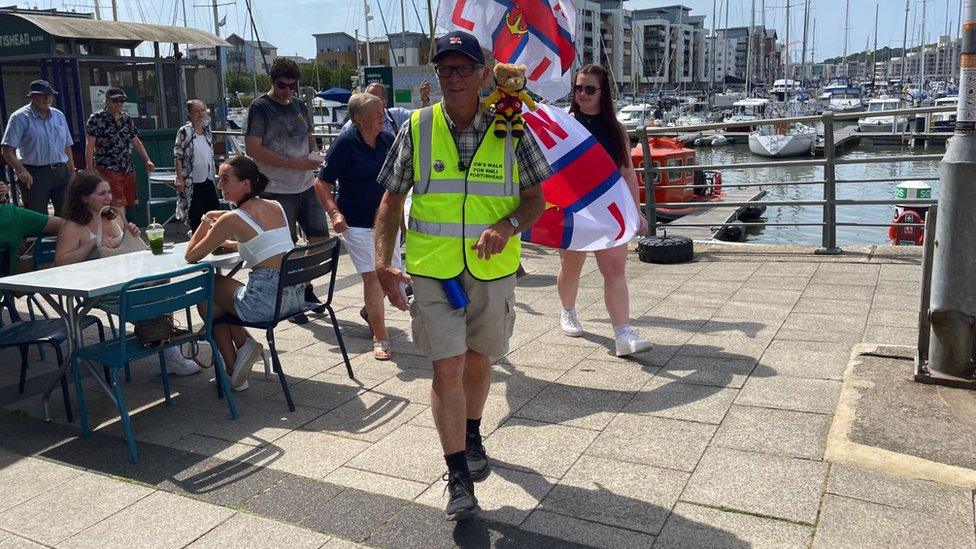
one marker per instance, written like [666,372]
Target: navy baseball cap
[41,86]
[460,42]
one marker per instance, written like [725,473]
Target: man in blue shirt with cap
[37,145]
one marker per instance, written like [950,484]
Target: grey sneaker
[570,323]
[477,458]
[462,504]
[630,343]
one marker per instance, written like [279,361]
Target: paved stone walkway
[715,438]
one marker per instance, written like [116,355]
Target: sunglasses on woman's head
[590,90]
[282,86]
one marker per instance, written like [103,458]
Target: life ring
[902,234]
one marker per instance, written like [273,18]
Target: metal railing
[829,162]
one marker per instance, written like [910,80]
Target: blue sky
[290,25]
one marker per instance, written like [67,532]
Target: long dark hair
[75,208]
[245,168]
[619,147]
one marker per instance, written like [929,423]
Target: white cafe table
[83,284]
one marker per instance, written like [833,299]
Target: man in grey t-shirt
[278,136]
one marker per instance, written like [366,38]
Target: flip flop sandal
[381,350]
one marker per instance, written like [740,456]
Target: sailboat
[782,140]
[883,123]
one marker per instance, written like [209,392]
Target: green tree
[344,74]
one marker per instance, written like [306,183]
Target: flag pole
[430,20]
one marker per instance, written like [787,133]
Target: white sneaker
[247,354]
[570,323]
[629,343]
[177,364]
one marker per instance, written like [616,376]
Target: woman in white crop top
[262,238]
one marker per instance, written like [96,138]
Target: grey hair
[376,85]
[359,102]
[191,102]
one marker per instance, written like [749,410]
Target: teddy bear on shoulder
[508,97]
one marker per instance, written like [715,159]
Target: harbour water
[813,214]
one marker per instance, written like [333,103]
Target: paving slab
[17,542]
[368,417]
[626,495]
[26,478]
[806,359]
[897,491]
[353,514]
[608,375]
[791,393]
[775,486]
[542,448]
[584,532]
[770,431]
[575,406]
[693,526]
[410,452]
[159,520]
[718,372]
[252,532]
[702,403]
[293,499]
[376,483]
[853,523]
[70,507]
[314,454]
[650,440]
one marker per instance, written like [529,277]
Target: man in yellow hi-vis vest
[472,194]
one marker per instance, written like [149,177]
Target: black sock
[473,429]
[456,463]
[310,295]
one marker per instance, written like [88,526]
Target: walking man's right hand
[25,178]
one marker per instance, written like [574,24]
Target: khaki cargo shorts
[484,326]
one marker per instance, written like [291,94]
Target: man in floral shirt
[110,137]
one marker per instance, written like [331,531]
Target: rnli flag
[588,204]
[535,33]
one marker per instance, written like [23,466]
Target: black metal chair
[299,266]
[45,331]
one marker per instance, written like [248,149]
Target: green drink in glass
[155,232]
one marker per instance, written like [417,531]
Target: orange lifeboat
[678,185]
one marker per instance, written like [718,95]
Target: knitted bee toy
[508,97]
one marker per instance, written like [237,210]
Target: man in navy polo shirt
[37,145]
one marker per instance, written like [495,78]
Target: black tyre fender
[665,249]
[751,213]
[731,233]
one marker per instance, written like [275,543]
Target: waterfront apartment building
[669,48]
[334,49]
[588,37]
[242,56]
[617,42]
[732,54]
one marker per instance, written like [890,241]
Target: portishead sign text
[17,37]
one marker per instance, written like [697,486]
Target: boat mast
[786,66]
[725,41]
[367,16]
[904,44]
[874,53]
[762,64]
[921,51]
[750,50]
[847,16]
[714,42]
[403,34]
[803,58]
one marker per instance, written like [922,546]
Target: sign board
[401,97]
[18,37]
[97,96]
[382,75]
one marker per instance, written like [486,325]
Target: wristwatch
[514,222]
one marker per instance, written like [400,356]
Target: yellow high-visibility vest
[453,204]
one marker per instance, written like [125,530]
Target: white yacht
[881,123]
[747,110]
[783,140]
[634,116]
[840,95]
[945,121]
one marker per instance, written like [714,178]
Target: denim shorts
[305,209]
[255,302]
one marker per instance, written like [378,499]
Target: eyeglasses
[282,86]
[117,100]
[590,90]
[464,71]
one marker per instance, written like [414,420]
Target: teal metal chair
[145,298]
